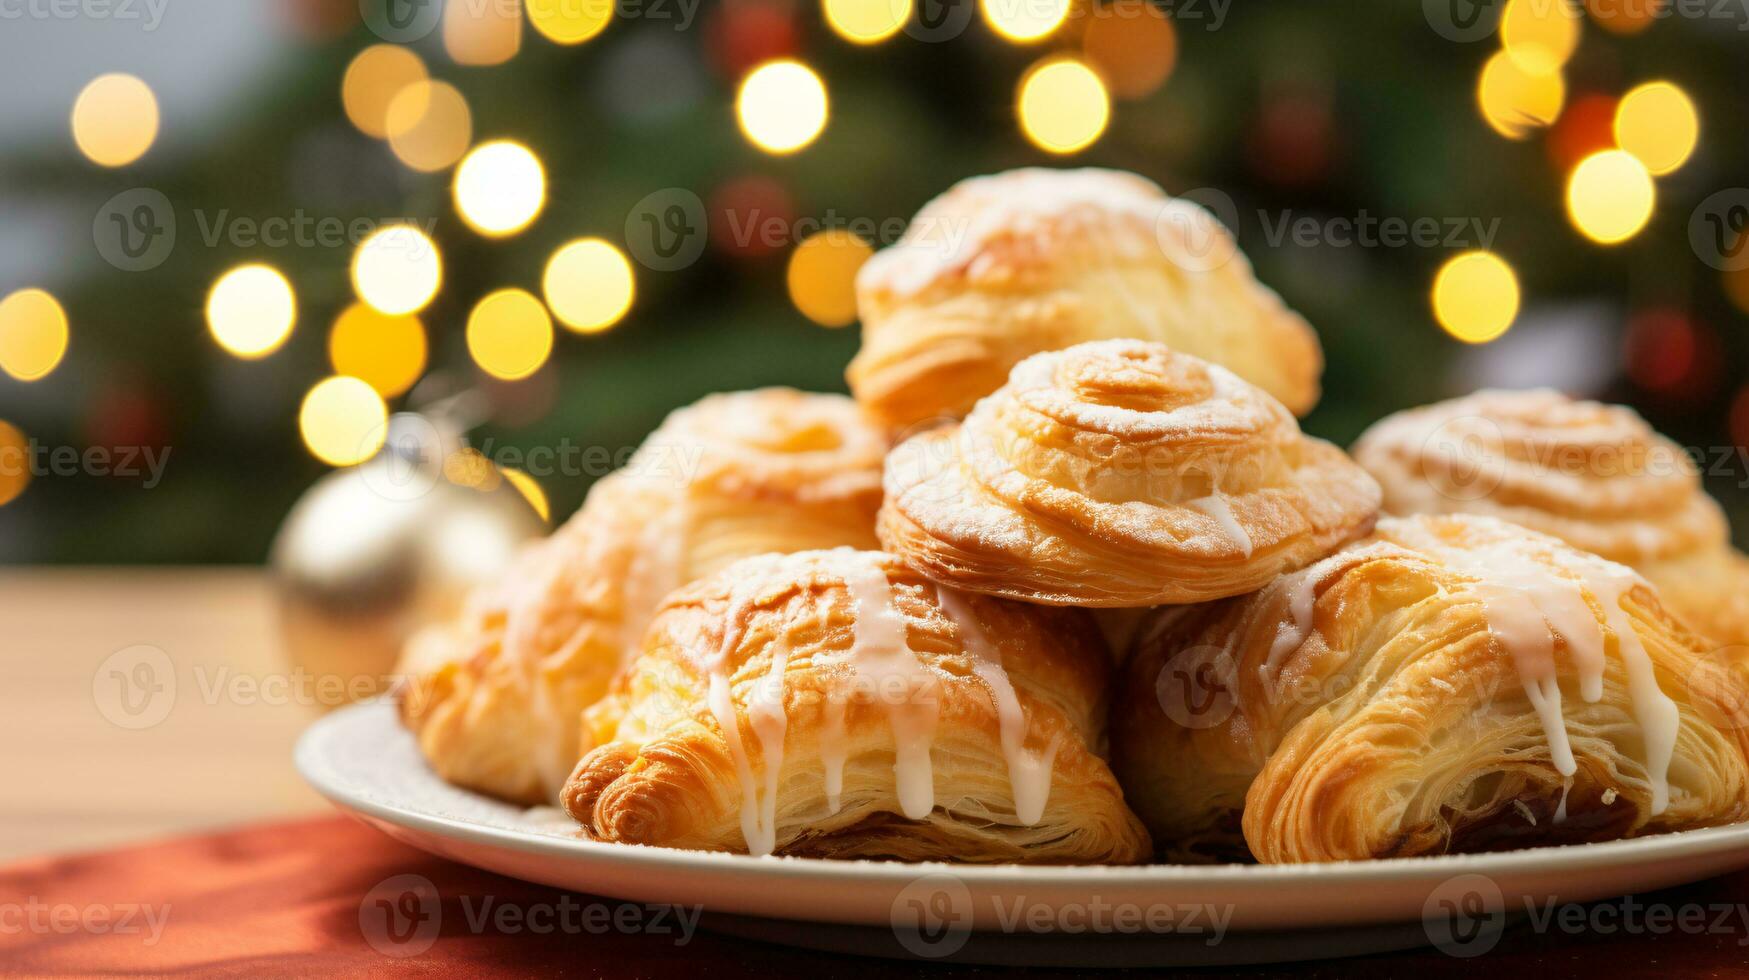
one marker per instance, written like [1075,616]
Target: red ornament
[744,33]
[752,216]
[1293,141]
[1667,353]
[127,416]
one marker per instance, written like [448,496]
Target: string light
[822,276]
[782,106]
[500,188]
[1610,196]
[1514,101]
[372,80]
[1657,123]
[482,34]
[251,310]
[397,269]
[589,285]
[115,120]
[14,462]
[1024,21]
[429,125]
[33,334]
[1063,105]
[1539,35]
[343,421]
[531,491]
[867,21]
[1134,48]
[1475,297]
[386,352]
[570,21]
[510,335]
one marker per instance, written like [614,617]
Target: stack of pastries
[1067,583]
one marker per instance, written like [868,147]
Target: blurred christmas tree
[1356,149]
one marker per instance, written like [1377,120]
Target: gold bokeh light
[782,106]
[429,125]
[1134,48]
[1475,297]
[115,120]
[1024,21]
[482,34]
[510,335]
[531,491]
[500,188]
[343,421]
[373,79]
[589,285]
[1063,105]
[251,310]
[1610,196]
[867,21]
[1657,123]
[14,462]
[1539,35]
[397,269]
[570,21]
[33,334]
[822,276]
[386,352]
[1514,101]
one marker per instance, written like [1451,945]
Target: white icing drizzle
[1527,603]
[766,713]
[881,657]
[1217,507]
[1029,772]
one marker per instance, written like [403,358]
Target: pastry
[1120,473]
[495,698]
[1596,476]
[1450,684]
[837,704]
[1003,267]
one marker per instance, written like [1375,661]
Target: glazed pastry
[496,698]
[1120,473]
[1450,684]
[1596,476]
[837,704]
[1003,267]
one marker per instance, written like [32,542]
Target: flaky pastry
[1450,684]
[1002,267]
[837,704]
[1120,473]
[1596,476]
[495,699]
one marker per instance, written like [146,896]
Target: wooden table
[74,778]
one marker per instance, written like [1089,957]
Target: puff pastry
[1596,476]
[1450,684]
[837,704]
[1120,473]
[495,698]
[1002,267]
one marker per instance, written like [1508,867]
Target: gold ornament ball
[371,554]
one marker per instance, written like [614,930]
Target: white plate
[366,763]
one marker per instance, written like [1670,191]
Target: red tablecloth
[326,896]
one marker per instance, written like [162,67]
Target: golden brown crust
[495,699]
[785,650]
[1002,267]
[1376,704]
[1119,474]
[1596,476]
